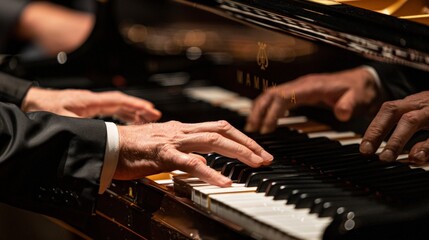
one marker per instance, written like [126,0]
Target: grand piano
[201,60]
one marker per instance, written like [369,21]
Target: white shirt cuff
[111,156]
[374,74]
[377,80]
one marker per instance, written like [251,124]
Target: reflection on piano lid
[353,25]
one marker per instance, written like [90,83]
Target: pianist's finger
[113,101]
[229,132]
[213,142]
[196,166]
[259,109]
[343,108]
[275,111]
[409,115]
[409,124]
[419,153]
[386,118]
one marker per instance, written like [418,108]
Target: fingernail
[366,148]
[265,130]
[343,114]
[420,157]
[225,182]
[265,155]
[248,128]
[387,155]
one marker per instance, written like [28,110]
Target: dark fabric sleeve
[401,81]
[10,11]
[12,89]
[396,84]
[50,164]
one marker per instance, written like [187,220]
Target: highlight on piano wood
[413,10]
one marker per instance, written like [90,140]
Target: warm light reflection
[193,41]
[413,10]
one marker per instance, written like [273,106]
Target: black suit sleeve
[12,89]
[50,164]
[400,81]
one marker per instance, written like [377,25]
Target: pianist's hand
[345,92]
[84,103]
[160,147]
[406,117]
[55,28]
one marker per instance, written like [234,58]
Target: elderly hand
[345,92]
[84,103]
[410,115]
[158,147]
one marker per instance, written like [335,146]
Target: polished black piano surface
[169,52]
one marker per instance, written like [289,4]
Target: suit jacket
[48,163]
[400,81]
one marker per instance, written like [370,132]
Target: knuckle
[192,162]
[163,149]
[174,123]
[373,132]
[212,138]
[250,142]
[242,151]
[224,126]
[390,106]
[395,143]
[425,145]
[117,93]
[410,118]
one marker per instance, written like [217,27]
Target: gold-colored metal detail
[262,57]
[293,98]
[130,192]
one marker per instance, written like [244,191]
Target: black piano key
[256,178]
[305,178]
[334,210]
[236,170]
[286,145]
[227,167]
[304,181]
[247,172]
[319,204]
[297,151]
[391,176]
[306,197]
[220,161]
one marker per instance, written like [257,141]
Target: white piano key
[291,120]
[402,157]
[164,181]
[178,172]
[237,104]
[350,141]
[253,209]
[331,134]
[424,167]
[200,195]
[214,95]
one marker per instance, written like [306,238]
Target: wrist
[30,100]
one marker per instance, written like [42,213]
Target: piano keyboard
[317,178]
[306,189]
